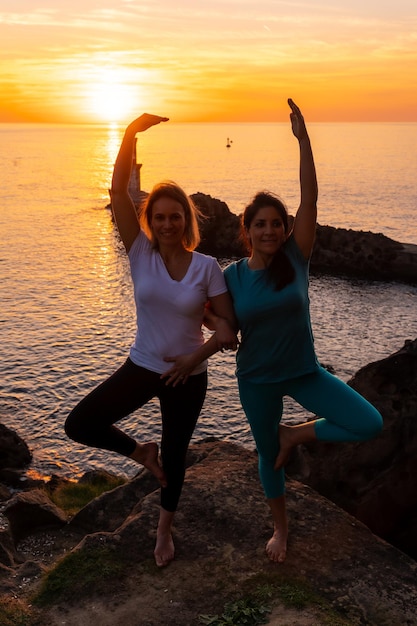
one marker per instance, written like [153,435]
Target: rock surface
[220,532]
[375,481]
[223,523]
[373,256]
[14,452]
[31,510]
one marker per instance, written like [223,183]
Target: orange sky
[207,60]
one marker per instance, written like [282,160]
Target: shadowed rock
[14,453]
[223,523]
[30,511]
[375,480]
[222,526]
[339,251]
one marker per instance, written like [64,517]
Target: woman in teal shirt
[276,356]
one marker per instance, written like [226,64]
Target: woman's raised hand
[297,120]
[145,121]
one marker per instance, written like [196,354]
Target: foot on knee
[148,457]
[286,444]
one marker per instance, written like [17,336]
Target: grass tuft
[12,613]
[245,612]
[72,497]
[80,573]
[262,592]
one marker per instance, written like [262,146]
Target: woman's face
[267,231]
[168,221]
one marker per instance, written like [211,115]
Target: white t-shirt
[169,312]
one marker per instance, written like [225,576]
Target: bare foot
[276,548]
[286,444]
[148,457]
[164,549]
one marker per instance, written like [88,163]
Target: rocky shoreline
[352,509]
[337,251]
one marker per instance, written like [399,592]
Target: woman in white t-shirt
[172,285]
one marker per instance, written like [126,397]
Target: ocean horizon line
[122,125]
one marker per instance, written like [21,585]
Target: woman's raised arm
[123,208]
[306,216]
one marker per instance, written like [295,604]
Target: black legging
[92,421]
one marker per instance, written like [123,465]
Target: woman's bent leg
[92,421]
[343,414]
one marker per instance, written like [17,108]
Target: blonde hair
[170,189]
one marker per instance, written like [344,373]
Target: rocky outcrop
[363,254]
[376,480]
[15,457]
[337,251]
[220,229]
[32,510]
[14,452]
[345,502]
[220,531]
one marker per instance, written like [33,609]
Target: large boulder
[14,453]
[220,229]
[221,528]
[30,511]
[363,254]
[109,510]
[375,480]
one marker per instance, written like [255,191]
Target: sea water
[67,315]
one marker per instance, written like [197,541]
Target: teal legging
[344,416]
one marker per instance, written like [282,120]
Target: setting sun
[89,62]
[110,99]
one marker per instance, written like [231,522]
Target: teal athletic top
[276,337]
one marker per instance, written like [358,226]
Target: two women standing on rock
[275,358]
[172,284]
